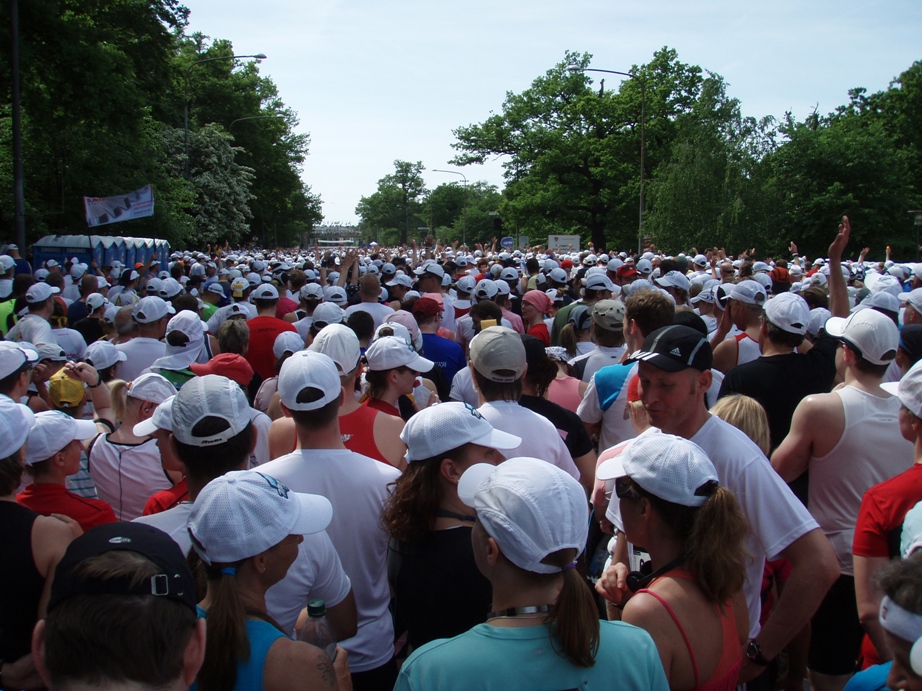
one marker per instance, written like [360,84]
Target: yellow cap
[65,391]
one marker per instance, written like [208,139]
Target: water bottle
[317,630]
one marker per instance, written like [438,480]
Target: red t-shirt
[284,307]
[883,508]
[540,331]
[263,331]
[167,498]
[47,498]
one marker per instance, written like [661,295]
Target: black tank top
[20,582]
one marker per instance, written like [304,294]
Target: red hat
[539,300]
[626,271]
[229,365]
[566,264]
[426,307]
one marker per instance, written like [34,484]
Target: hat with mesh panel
[209,396]
[245,512]
[669,467]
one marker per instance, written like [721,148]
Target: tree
[572,153]
[396,205]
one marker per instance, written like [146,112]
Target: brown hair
[650,310]
[411,509]
[234,337]
[498,391]
[11,469]
[227,642]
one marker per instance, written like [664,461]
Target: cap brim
[471,480]
[660,361]
[421,364]
[835,326]
[85,429]
[145,428]
[122,356]
[315,514]
[613,467]
[497,439]
[891,387]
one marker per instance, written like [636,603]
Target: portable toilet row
[102,249]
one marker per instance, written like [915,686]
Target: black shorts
[835,637]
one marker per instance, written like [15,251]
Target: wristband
[96,385]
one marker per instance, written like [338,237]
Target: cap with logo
[245,512]
[530,507]
[442,428]
[209,396]
[675,348]
[498,354]
[485,289]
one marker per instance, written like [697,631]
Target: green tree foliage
[395,209]
[103,88]
[458,213]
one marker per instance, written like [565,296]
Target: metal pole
[19,197]
[464,210]
[185,148]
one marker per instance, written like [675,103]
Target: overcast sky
[373,81]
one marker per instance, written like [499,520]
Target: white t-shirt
[776,517]
[126,475]
[141,352]
[357,487]
[303,327]
[72,342]
[462,387]
[221,314]
[377,311]
[616,423]
[464,330]
[315,574]
[33,329]
[540,439]
[597,358]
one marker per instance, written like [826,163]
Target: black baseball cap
[175,580]
[675,348]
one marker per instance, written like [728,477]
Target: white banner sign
[124,207]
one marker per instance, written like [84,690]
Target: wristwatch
[754,654]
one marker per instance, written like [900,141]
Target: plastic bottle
[317,630]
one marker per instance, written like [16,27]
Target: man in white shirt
[357,486]
[674,368]
[498,365]
[35,328]
[211,403]
[369,292]
[151,315]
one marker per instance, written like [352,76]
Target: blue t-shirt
[489,657]
[874,678]
[446,354]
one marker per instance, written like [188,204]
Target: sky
[375,81]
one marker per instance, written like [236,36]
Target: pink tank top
[726,673]
[565,393]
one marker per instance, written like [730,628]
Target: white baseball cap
[287,342]
[311,291]
[913,298]
[438,429]
[530,507]
[818,318]
[337,295]
[209,396]
[674,279]
[13,356]
[789,312]
[169,288]
[700,260]
[151,309]
[466,284]
[872,334]
[94,301]
[601,281]
[216,288]
[328,313]
[498,354]
[911,535]
[15,423]
[485,289]
[750,292]
[245,512]
[151,387]
[400,279]
[308,370]
[266,291]
[52,352]
[39,292]
[52,431]
[887,301]
[340,344]
[161,419]
[669,467]
[908,389]
[431,268]
[389,352]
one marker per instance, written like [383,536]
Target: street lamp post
[464,212]
[643,138]
[252,117]
[258,56]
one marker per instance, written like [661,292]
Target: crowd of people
[496,469]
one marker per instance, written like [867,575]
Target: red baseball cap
[229,365]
